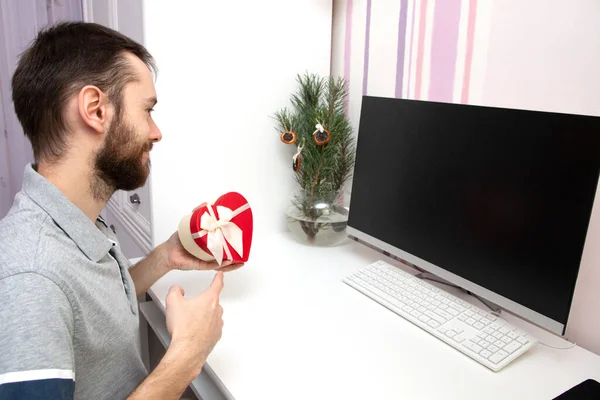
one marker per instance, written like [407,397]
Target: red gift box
[220,231]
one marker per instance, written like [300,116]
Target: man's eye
[150,110]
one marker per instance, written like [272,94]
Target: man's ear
[92,105]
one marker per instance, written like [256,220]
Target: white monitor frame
[505,303]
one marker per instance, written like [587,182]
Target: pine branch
[324,169]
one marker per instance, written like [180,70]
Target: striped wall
[417,49]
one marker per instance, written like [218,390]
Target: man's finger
[217,283]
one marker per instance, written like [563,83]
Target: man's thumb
[176,292]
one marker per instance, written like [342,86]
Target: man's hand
[166,257]
[177,257]
[195,324]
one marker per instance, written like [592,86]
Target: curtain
[20,20]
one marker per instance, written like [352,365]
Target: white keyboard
[484,337]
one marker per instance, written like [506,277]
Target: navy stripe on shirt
[43,389]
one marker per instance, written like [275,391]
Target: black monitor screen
[499,197]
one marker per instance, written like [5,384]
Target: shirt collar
[86,235]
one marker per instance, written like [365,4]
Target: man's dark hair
[63,59]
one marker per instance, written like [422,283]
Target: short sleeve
[36,339]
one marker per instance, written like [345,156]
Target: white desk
[293,330]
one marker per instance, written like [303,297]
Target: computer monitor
[494,200]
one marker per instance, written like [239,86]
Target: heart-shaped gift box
[219,231]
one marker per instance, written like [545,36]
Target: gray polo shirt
[68,311]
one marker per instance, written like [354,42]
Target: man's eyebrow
[151,101]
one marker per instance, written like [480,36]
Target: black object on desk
[588,389]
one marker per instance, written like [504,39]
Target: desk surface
[294,330]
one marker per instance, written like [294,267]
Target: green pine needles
[320,169]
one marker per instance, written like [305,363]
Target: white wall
[225,68]
[534,54]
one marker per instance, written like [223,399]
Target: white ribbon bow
[222,231]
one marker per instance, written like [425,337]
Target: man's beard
[118,165]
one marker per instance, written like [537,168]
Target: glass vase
[318,217]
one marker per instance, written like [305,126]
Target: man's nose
[155,134]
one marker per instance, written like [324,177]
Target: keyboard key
[476,317]
[512,335]
[498,356]
[485,354]
[457,307]
[499,343]
[459,338]
[462,317]
[431,307]
[484,344]
[488,330]
[485,321]
[478,325]
[512,347]
[452,311]
[503,330]
[442,330]
[476,340]
[465,304]
[424,318]
[407,309]
[506,339]
[443,313]
[435,317]
[491,317]
[470,321]
[497,335]
[482,335]
[433,323]
[421,309]
[482,313]
[492,348]
[450,334]
[415,313]
[472,346]
[443,307]
[523,340]
[445,301]
[494,326]
[520,332]
[491,339]
[469,313]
